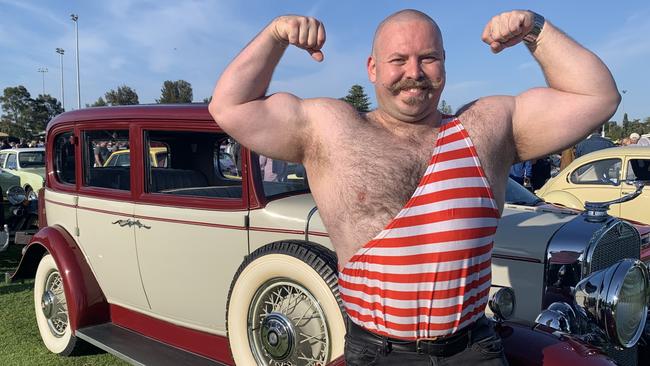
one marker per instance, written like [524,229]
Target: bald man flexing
[411,197]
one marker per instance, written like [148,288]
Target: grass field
[20,342]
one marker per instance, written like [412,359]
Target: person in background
[634,138]
[521,173]
[5,145]
[540,173]
[593,142]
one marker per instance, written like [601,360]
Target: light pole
[623,112]
[74,18]
[43,70]
[61,51]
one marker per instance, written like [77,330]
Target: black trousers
[484,348]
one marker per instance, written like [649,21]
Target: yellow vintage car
[602,176]
[28,164]
[157,155]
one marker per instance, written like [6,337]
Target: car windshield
[516,194]
[32,159]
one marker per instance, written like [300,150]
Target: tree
[357,98]
[445,108]
[26,117]
[44,109]
[207,100]
[179,91]
[124,95]
[17,108]
[100,102]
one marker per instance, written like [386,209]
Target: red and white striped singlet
[427,274]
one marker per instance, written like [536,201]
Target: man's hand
[507,29]
[304,32]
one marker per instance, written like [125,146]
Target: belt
[440,347]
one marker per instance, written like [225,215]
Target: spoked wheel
[284,308]
[52,309]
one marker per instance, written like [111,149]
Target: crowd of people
[6,144]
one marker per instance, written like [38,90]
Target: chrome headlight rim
[16,195]
[499,301]
[597,296]
[612,301]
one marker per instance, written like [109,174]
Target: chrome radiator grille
[615,243]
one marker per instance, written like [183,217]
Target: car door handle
[123,223]
[141,225]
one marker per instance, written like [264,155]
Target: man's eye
[397,61]
[428,60]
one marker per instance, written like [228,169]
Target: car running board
[137,349]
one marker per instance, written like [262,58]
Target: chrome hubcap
[277,336]
[47,302]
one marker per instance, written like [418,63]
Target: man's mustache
[406,84]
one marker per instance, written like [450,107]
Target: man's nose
[413,69]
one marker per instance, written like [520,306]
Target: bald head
[406,15]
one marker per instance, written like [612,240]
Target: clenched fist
[507,29]
[304,32]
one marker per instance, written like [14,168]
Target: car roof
[614,152]
[195,111]
[25,149]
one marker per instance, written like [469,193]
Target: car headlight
[16,195]
[617,299]
[502,303]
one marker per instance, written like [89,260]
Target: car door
[636,167]
[191,234]
[596,181]
[105,217]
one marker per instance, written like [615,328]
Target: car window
[187,163]
[99,145]
[11,162]
[3,158]
[64,157]
[519,195]
[602,172]
[31,159]
[281,177]
[638,169]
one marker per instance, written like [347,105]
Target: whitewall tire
[284,307]
[51,308]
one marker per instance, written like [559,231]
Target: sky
[142,43]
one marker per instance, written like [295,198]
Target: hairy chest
[370,177]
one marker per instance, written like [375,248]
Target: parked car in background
[203,264]
[604,175]
[28,164]
[7,180]
[158,156]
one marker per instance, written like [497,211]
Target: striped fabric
[427,274]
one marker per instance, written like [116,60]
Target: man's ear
[372,69]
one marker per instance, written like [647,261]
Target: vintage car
[157,156]
[603,175]
[27,163]
[196,264]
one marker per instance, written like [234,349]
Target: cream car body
[600,176]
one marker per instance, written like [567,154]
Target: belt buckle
[417,343]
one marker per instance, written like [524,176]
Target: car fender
[87,304]
[564,198]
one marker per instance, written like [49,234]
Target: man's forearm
[248,76]
[571,68]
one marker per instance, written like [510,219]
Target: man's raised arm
[274,125]
[581,93]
